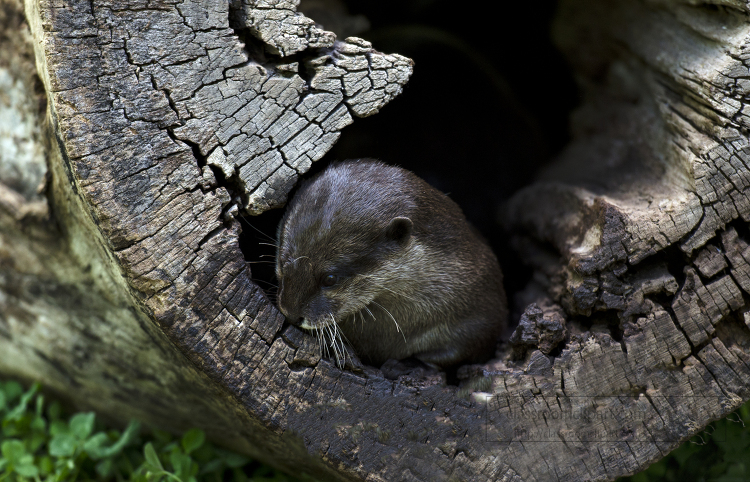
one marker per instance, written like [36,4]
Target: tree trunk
[124,287]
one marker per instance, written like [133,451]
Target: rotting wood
[162,127]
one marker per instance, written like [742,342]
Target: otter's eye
[329,280]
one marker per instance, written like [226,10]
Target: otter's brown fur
[393,262]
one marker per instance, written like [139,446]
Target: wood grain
[124,286]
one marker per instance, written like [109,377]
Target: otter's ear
[399,229]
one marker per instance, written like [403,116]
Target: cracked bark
[123,285]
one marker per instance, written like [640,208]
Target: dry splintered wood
[124,286]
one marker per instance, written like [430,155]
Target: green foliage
[38,443]
[718,454]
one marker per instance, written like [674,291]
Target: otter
[374,253]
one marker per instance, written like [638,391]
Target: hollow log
[123,285]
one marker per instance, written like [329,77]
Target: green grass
[38,442]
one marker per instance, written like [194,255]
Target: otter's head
[336,232]
[329,274]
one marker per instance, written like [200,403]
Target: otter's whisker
[332,345]
[256,229]
[341,337]
[324,346]
[331,342]
[335,345]
[340,360]
[324,342]
[386,288]
[333,332]
[373,316]
[342,350]
[398,328]
[330,336]
[256,281]
[270,244]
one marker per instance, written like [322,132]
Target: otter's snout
[300,296]
[292,317]
[290,310]
[290,298]
[302,304]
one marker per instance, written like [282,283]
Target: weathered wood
[641,216]
[125,286]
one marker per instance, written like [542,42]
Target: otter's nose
[292,316]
